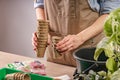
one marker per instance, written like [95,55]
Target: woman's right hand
[34,40]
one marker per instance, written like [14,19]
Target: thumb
[48,42]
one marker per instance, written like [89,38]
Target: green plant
[110,44]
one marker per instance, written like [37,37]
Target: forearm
[93,30]
[40,13]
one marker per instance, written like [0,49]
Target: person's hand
[34,40]
[69,43]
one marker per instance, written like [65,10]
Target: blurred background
[17,23]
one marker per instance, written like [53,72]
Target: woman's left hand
[69,43]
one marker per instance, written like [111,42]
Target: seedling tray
[5,71]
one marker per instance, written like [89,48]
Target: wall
[17,23]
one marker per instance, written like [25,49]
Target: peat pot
[86,62]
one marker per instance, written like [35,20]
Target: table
[52,69]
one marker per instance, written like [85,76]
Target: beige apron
[69,17]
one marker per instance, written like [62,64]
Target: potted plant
[110,46]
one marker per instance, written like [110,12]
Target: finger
[64,45]
[62,41]
[34,37]
[62,51]
[63,48]
[34,41]
[34,49]
[70,48]
[67,48]
[48,42]
[59,47]
[34,46]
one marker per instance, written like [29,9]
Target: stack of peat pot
[42,35]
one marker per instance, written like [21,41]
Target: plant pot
[85,61]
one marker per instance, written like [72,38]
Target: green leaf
[98,51]
[100,47]
[111,64]
[102,73]
[108,27]
[116,75]
[109,50]
[118,37]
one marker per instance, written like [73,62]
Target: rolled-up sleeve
[108,5]
[38,3]
[94,5]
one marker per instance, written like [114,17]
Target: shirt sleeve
[106,6]
[94,5]
[39,3]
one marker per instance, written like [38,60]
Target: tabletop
[52,69]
